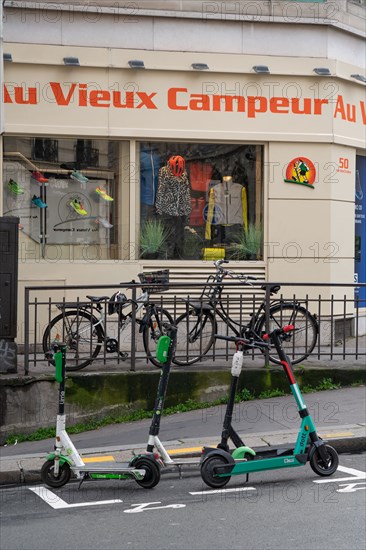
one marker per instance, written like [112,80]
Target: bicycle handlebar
[224,272]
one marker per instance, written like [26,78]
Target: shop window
[45,149]
[85,154]
[200,201]
[65,192]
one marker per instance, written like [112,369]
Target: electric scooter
[218,464]
[56,471]
[164,353]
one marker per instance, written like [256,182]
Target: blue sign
[360,229]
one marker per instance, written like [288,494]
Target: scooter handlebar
[279,331]
[247,343]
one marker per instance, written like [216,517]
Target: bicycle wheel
[195,336]
[152,332]
[75,329]
[299,344]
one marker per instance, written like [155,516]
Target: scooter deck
[261,452]
[115,470]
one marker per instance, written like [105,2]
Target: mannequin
[228,200]
[173,202]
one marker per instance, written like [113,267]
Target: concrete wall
[27,404]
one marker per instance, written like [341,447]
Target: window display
[60,202]
[73,197]
[208,200]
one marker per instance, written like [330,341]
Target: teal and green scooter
[218,464]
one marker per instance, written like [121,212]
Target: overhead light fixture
[136,64]
[200,66]
[7,57]
[261,69]
[72,61]
[322,71]
[359,77]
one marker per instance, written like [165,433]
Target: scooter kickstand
[247,478]
[81,481]
[179,466]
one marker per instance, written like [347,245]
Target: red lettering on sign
[172,99]
[59,95]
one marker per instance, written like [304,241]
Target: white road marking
[357,475]
[352,487]
[144,506]
[58,504]
[220,491]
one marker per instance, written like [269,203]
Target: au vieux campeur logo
[301,171]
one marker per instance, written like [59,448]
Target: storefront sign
[178,99]
[301,171]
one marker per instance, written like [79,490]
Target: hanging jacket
[200,174]
[229,202]
[149,174]
[173,196]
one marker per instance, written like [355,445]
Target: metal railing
[339,310]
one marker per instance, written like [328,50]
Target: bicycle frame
[101,318]
[211,308]
[251,326]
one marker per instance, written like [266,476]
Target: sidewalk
[344,407]
[342,356]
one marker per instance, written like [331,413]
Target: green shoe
[78,207]
[15,188]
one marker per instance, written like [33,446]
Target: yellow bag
[213,253]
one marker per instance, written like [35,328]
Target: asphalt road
[282,509]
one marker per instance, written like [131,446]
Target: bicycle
[198,324]
[82,326]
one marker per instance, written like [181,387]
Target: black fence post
[266,310]
[133,329]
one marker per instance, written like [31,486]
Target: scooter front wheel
[207,471]
[152,472]
[48,474]
[325,467]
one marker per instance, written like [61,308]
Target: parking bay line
[358,476]
[57,503]
[220,491]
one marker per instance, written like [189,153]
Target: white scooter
[56,471]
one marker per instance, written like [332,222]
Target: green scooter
[218,464]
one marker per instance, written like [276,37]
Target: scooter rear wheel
[328,467]
[207,471]
[152,472]
[48,474]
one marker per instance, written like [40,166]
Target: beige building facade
[84,146]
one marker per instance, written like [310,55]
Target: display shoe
[105,223]
[38,202]
[78,176]
[39,177]
[103,194]
[15,188]
[78,207]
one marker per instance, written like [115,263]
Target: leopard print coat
[173,196]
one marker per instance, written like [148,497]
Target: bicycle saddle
[98,298]
[273,288]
